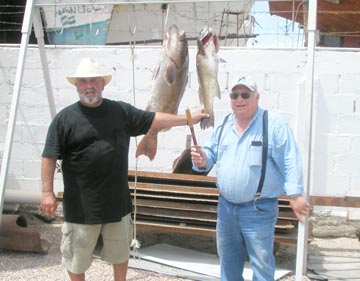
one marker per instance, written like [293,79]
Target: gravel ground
[35,266]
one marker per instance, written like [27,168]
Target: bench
[182,203]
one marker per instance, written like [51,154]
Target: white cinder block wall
[280,74]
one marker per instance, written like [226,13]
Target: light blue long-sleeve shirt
[238,159]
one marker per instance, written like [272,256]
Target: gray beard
[91,101]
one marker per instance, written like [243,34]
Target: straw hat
[88,68]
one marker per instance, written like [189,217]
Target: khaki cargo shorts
[79,241]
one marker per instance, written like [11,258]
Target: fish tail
[207,122]
[147,146]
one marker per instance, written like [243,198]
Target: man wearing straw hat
[92,138]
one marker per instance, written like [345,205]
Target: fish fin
[201,96]
[147,145]
[208,122]
[170,74]
[156,72]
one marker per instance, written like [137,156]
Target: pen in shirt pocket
[256,143]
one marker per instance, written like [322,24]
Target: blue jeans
[246,228]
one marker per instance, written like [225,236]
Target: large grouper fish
[207,69]
[168,84]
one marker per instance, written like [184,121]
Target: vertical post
[26,31]
[41,44]
[301,257]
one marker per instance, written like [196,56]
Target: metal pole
[22,196]
[301,257]
[41,44]
[116,2]
[26,31]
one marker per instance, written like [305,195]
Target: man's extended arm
[165,120]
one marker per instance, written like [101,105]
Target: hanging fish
[168,84]
[207,69]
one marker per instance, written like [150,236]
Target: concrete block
[6,90]
[328,84]
[332,184]
[16,167]
[325,123]
[348,124]
[33,96]
[269,101]
[35,134]
[333,144]
[335,223]
[22,151]
[65,97]
[355,144]
[354,185]
[354,215]
[34,115]
[4,113]
[28,184]
[338,104]
[275,82]
[32,169]
[349,165]
[349,83]
[4,131]
[8,55]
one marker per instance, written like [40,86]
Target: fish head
[208,39]
[175,45]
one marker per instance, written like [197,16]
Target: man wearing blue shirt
[247,213]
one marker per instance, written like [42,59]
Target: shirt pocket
[255,152]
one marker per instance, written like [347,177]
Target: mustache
[89,91]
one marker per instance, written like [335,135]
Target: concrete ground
[333,252]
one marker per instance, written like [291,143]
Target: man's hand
[198,115]
[300,207]
[48,202]
[198,157]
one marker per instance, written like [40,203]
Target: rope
[167,16]
[208,18]
[135,244]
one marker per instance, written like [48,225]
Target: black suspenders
[264,149]
[264,153]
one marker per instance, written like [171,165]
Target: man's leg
[77,245]
[120,271]
[258,225]
[230,243]
[116,250]
[76,277]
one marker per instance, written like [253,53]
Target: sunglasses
[244,95]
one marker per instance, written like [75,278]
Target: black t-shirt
[93,144]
